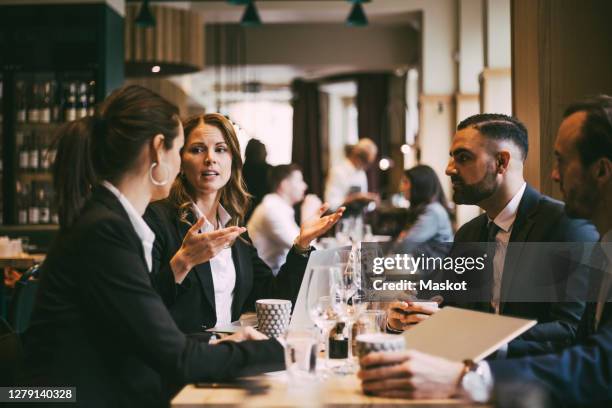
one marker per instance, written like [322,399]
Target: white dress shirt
[222,269]
[273,229]
[146,235]
[504,220]
[342,180]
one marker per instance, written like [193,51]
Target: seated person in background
[204,266]
[255,172]
[272,227]
[580,375]
[97,323]
[347,183]
[488,152]
[429,220]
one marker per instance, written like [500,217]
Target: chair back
[20,309]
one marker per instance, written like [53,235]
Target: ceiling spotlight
[145,18]
[384,164]
[357,17]
[155,69]
[250,18]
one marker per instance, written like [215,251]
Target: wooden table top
[336,391]
[24,261]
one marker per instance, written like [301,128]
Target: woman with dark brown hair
[204,265]
[98,324]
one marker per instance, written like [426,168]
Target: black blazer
[192,303]
[539,219]
[576,376]
[99,325]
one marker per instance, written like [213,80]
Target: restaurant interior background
[304,77]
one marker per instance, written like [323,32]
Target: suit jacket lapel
[523,224]
[202,271]
[108,199]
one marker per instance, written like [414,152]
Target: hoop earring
[166,179]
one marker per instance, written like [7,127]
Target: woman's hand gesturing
[198,248]
[315,227]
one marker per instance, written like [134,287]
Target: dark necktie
[492,230]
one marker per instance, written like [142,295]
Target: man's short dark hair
[596,134]
[499,127]
[279,173]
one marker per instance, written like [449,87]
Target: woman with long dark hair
[204,264]
[429,215]
[255,172]
[98,324]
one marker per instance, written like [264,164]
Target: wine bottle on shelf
[54,214]
[44,205]
[70,110]
[91,98]
[55,102]
[82,101]
[34,107]
[23,203]
[33,208]
[45,105]
[24,151]
[20,101]
[45,162]
[33,157]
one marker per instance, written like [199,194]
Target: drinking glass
[345,273]
[349,310]
[343,231]
[301,353]
[319,304]
[372,321]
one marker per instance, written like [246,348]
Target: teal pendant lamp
[145,17]
[357,17]
[250,18]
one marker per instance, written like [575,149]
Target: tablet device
[461,334]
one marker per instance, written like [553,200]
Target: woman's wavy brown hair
[234,196]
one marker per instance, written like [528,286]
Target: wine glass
[320,305]
[345,273]
[349,310]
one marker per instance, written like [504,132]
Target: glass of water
[301,351]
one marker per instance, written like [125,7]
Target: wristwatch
[474,383]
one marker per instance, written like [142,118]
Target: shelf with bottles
[54,98]
[35,152]
[34,203]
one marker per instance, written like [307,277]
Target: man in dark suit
[577,375]
[486,169]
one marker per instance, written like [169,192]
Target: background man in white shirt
[272,226]
[347,182]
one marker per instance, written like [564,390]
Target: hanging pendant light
[357,17]
[238,2]
[250,18]
[145,17]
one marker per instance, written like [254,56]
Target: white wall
[471,46]
[498,29]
